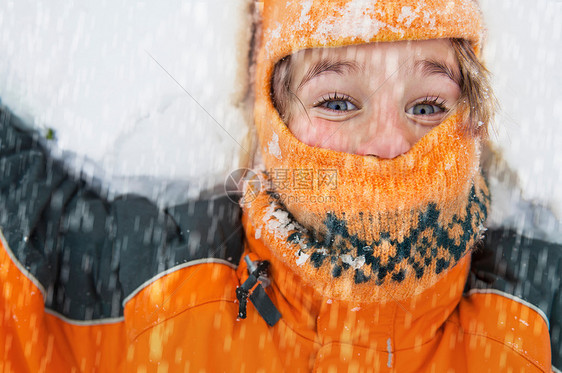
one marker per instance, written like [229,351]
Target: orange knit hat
[358,222]
[290,26]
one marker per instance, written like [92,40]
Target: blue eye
[339,105]
[424,109]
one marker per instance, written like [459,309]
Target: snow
[345,23]
[523,51]
[144,96]
[273,146]
[306,6]
[279,223]
[407,14]
[355,263]
[302,258]
[429,19]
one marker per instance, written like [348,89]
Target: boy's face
[373,99]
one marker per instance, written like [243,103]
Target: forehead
[378,56]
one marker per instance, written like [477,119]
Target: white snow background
[524,51]
[148,96]
[145,96]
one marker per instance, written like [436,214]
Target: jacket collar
[398,324]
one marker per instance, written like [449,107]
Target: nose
[387,138]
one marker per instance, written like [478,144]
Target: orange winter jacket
[89,285]
[186,321]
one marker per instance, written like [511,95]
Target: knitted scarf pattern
[390,243]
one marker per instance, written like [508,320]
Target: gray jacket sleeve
[88,254]
[526,269]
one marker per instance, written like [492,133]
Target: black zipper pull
[265,307]
[242,296]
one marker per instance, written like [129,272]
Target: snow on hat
[289,26]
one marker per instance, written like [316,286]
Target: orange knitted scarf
[360,228]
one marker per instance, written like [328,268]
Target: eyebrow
[434,67]
[324,66]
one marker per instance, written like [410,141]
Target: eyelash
[437,101]
[334,97]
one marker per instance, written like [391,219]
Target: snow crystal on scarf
[355,263]
[279,223]
[273,146]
